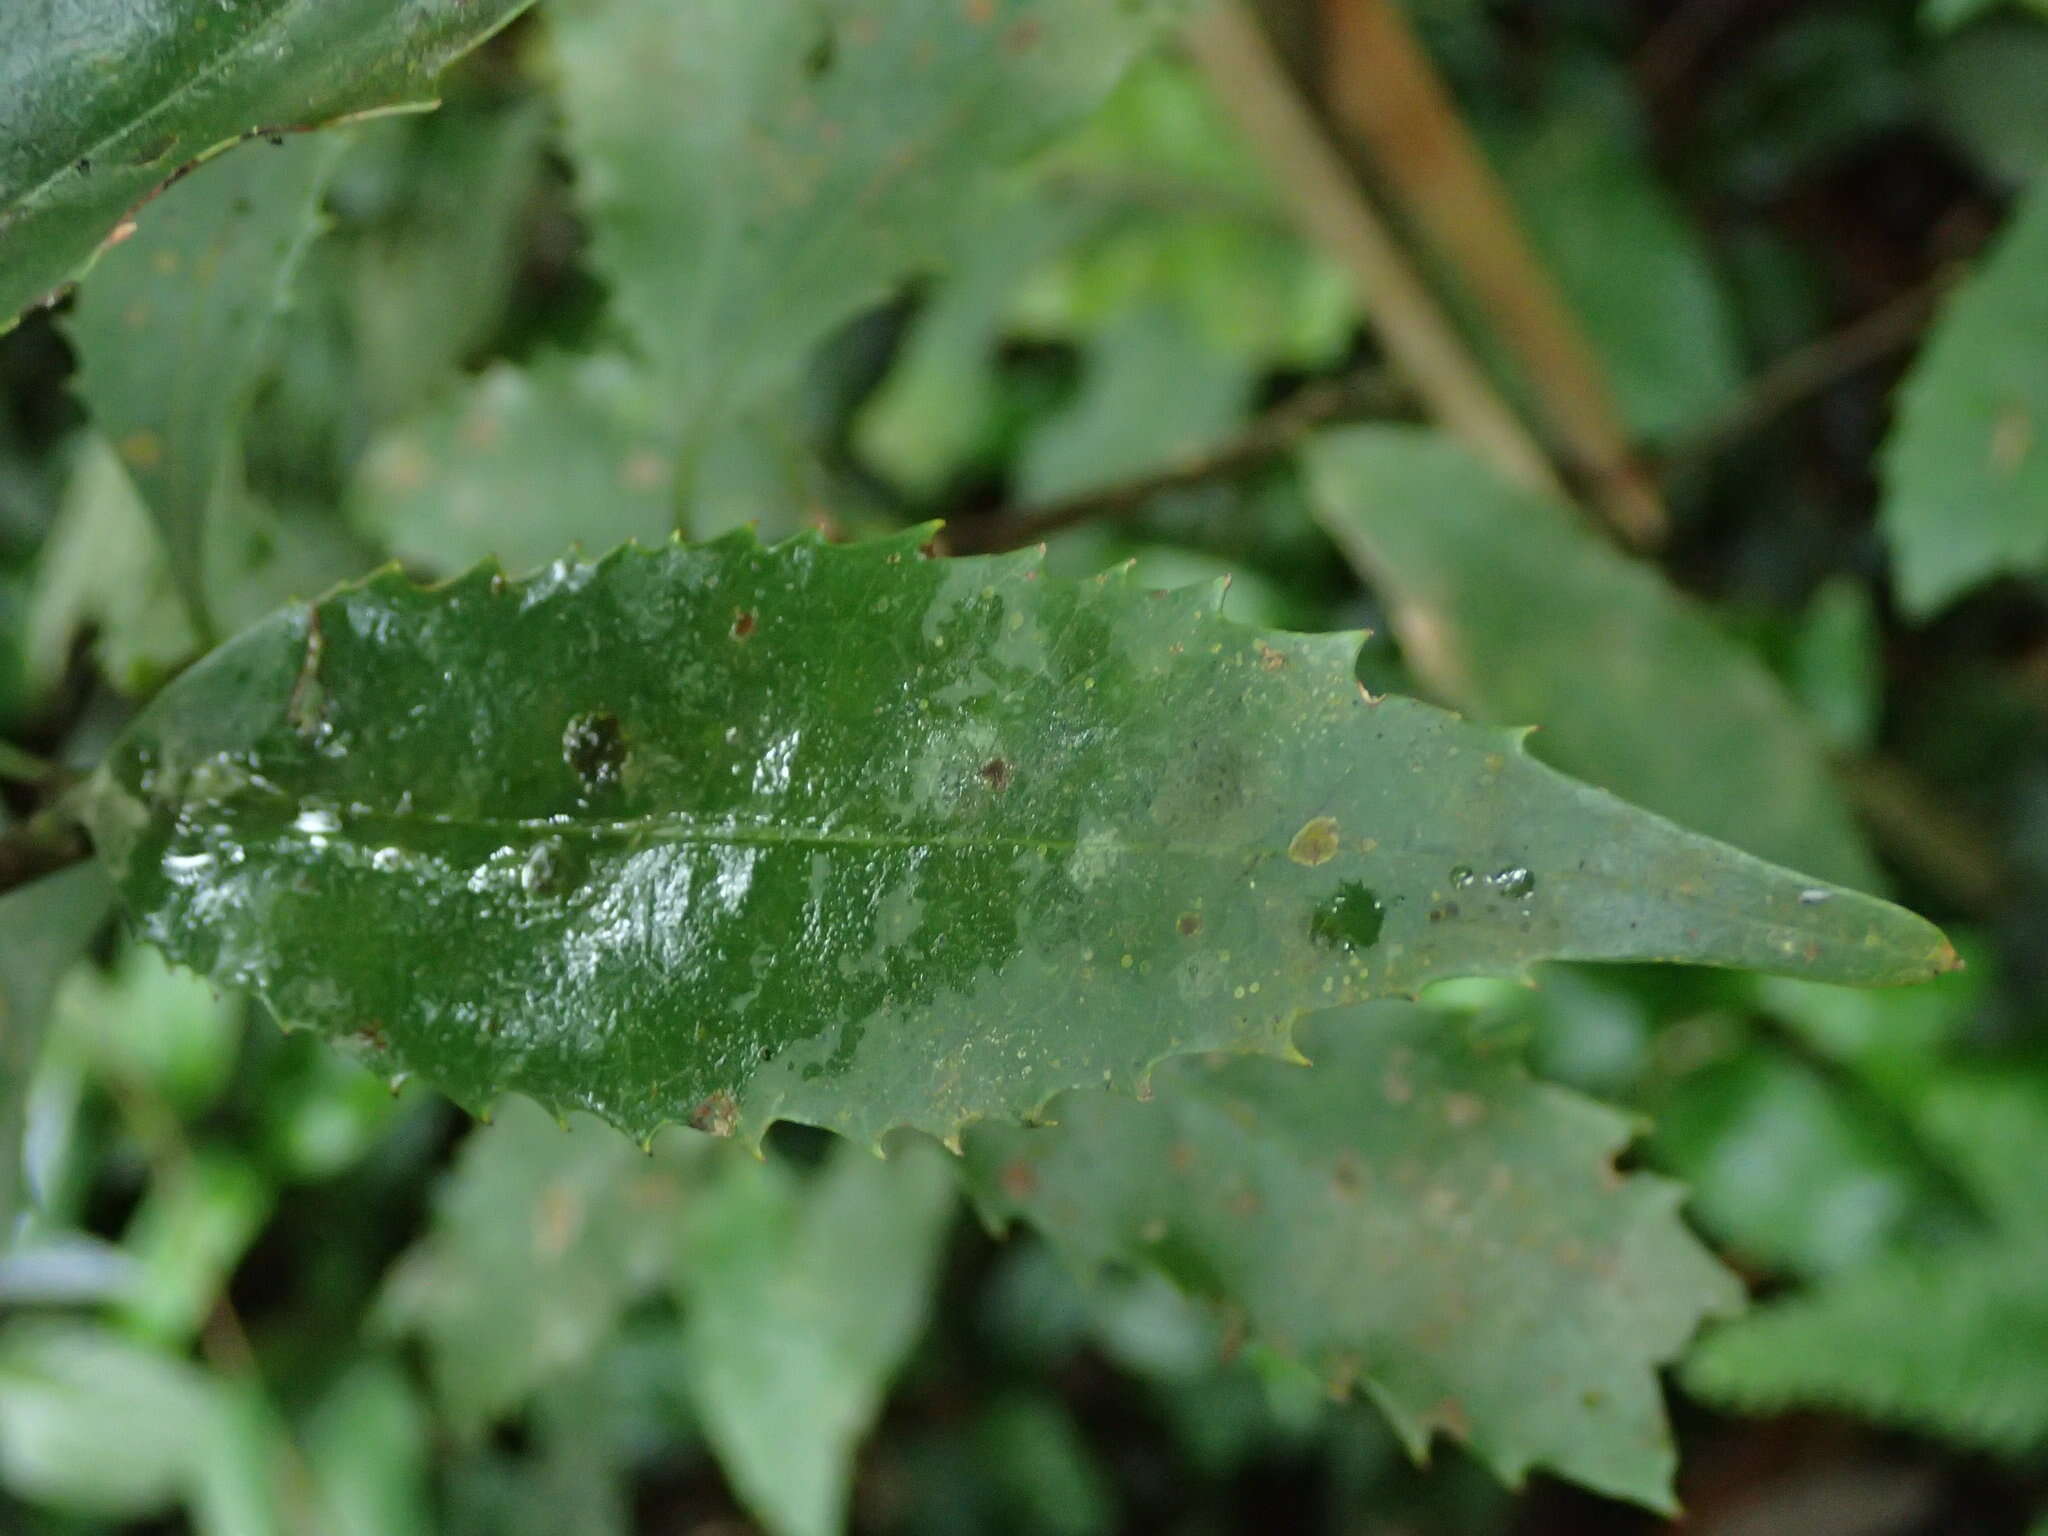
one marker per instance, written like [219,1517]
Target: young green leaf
[1634,269]
[541,1239]
[1512,608]
[1966,466]
[519,463]
[44,927]
[816,156]
[83,145]
[842,835]
[801,1300]
[1936,1336]
[171,333]
[69,1390]
[1410,1217]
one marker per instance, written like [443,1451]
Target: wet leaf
[103,102]
[838,834]
[825,154]
[1512,607]
[801,1301]
[1966,465]
[1411,1218]
[44,927]
[171,332]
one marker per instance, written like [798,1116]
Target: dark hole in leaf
[594,747]
[1351,919]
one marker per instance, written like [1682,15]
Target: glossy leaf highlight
[104,102]
[843,835]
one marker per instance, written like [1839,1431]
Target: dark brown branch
[1267,437]
[1813,369]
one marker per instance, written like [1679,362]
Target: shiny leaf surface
[1410,1217]
[104,102]
[842,835]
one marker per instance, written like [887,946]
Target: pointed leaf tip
[555,836]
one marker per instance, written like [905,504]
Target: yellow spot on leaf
[143,450]
[1315,843]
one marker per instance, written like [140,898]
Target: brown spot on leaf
[1450,1416]
[1019,1179]
[2012,439]
[718,1115]
[557,1218]
[995,773]
[744,622]
[1189,925]
[1462,1111]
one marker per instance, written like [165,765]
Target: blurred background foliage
[1805,245]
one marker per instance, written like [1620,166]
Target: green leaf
[842,835]
[1511,607]
[937,409]
[1786,1169]
[824,155]
[801,1303]
[1946,15]
[189,1233]
[1966,465]
[1635,272]
[366,1449]
[1949,1343]
[1154,392]
[44,927]
[171,333]
[1981,91]
[431,276]
[102,572]
[1411,1217]
[540,1240]
[104,102]
[518,464]
[1943,1337]
[69,1393]
[1835,663]
[1186,219]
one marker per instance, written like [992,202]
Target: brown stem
[1270,435]
[1810,370]
[1235,55]
[1387,95]
[1927,835]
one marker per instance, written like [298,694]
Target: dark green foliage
[855,820]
